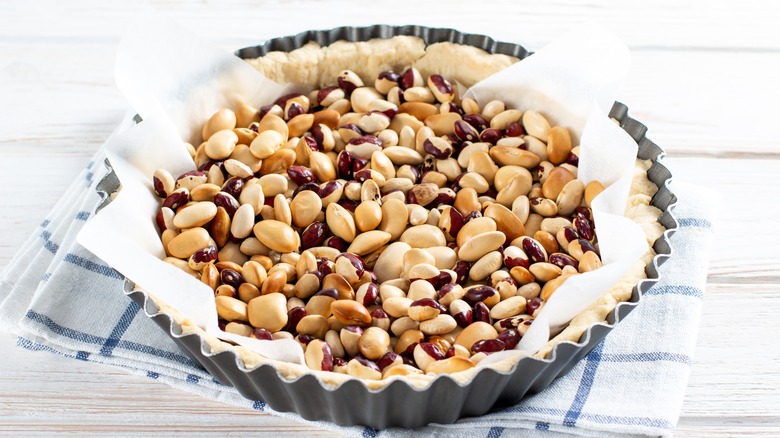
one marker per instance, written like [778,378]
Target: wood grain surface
[704,79]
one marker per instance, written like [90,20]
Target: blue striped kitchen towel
[56,297]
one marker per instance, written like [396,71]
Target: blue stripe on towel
[592,361]
[120,328]
[92,266]
[495,432]
[676,289]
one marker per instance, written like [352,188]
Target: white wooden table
[704,79]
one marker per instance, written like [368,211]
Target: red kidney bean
[294,316]
[473,215]
[477,121]
[262,334]
[510,337]
[478,294]
[440,153]
[432,350]
[446,196]
[324,266]
[570,234]
[488,346]
[262,112]
[336,242]
[304,339]
[462,269]
[233,186]
[329,292]
[388,359]
[231,277]
[329,187]
[514,129]
[346,85]
[295,109]
[584,227]
[407,79]
[314,235]
[389,76]
[371,296]
[429,302]
[357,262]
[282,101]
[349,204]
[561,260]
[324,92]
[314,187]
[177,199]
[481,312]
[586,246]
[226,201]
[339,362]
[301,175]
[344,164]
[573,159]
[441,84]
[490,135]
[207,255]
[367,363]
[532,305]
[534,250]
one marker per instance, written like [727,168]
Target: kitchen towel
[57,297]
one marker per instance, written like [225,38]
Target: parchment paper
[176,80]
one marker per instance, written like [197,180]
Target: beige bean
[505,156]
[197,214]
[231,309]
[476,247]
[221,144]
[570,197]
[442,124]
[467,201]
[551,286]
[486,265]
[474,227]
[322,166]
[504,118]
[589,261]
[205,192]
[443,257]
[394,218]
[420,110]
[362,97]
[593,189]
[506,221]
[536,124]
[282,211]
[450,365]
[368,241]
[420,289]
[221,120]
[368,215]
[509,307]
[349,312]
[423,236]
[185,244]
[314,325]
[389,265]
[305,208]
[340,222]
[268,312]
[279,162]
[482,164]
[544,272]
[243,221]
[396,306]
[374,343]
[558,144]
[266,144]
[475,332]
[401,155]
[272,185]
[475,181]
[277,235]
[440,325]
